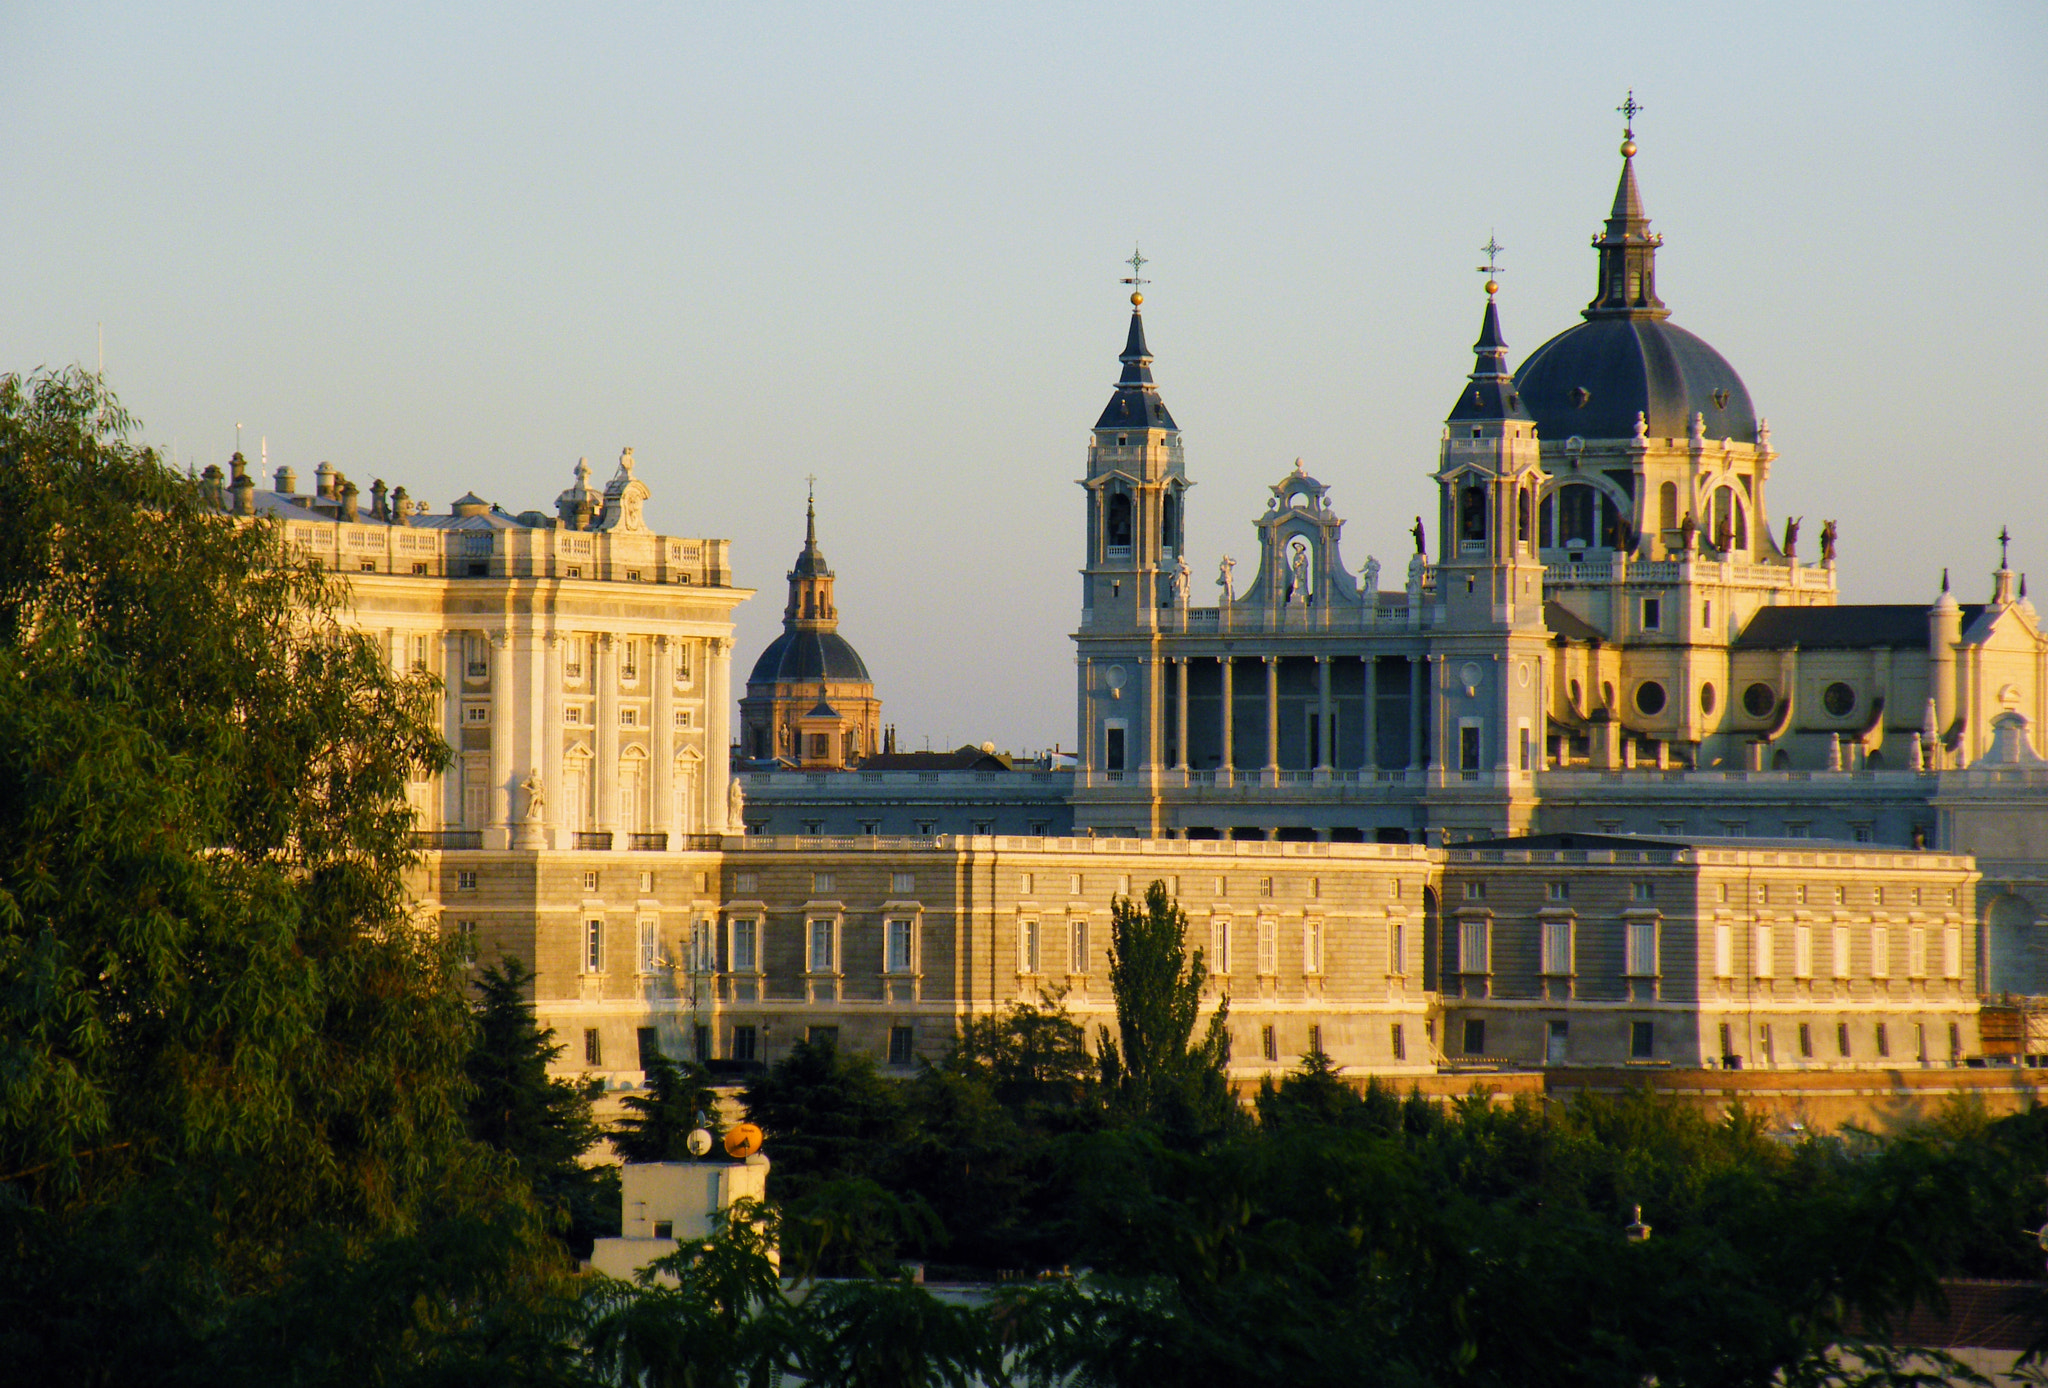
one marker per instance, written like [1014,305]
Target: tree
[679,1100]
[824,1116]
[1151,1068]
[544,1124]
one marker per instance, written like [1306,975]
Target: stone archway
[2016,954]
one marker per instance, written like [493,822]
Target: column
[718,735]
[1229,759]
[1371,752]
[604,776]
[1324,740]
[1155,717]
[1180,711]
[1416,688]
[1272,718]
[1084,758]
[499,823]
[663,789]
[452,659]
[550,739]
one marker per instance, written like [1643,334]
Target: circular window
[1758,700]
[1650,697]
[1838,699]
[1707,698]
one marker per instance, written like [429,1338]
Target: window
[1265,886]
[465,940]
[1113,750]
[1642,1040]
[1650,698]
[1475,1036]
[1880,951]
[1884,1042]
[1315,1039]
[1724,950]
[629,659]
[703,957]
[1123,885]
[650,945]
[1475,953]
[1315,887]
[629,717]
[1475,891]
[1027,946]
[1077,946]
[664,1228]
[745,932]
[649,1042]
[1397,947]
[1916,952]
[1838,699]
[477,713]
[1557,891]
[1952,952]
[1639,945]
[1955,1041]
[1763,1039]
[1269,1045]
[1842,1038]
[646,881]
[903,883]
[902,1045]
[1727,1043]
[1763,952]
[1805,1041]
[824,1037]
[1223,886]
[899,943]
[593,946]
[1920,1042]
[1642,892]
[1024,884]
[821,882]
[682,650]
[1557,947]
[745,1043]
[746,882]
[590,880]
[465,880]
[1653,613]
[632,575]
[1074,885]
[1802,951]
[593,1047]
[821,946]
[1312,946]
[1841,951]
[1219,935]
[1269,947]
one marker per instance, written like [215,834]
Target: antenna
[238,436]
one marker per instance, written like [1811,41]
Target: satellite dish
[699,1143]
[742,1141]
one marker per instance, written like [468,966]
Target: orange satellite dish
[742,1140]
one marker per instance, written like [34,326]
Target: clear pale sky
[457,246]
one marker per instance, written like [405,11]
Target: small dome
[1593,379]
[805,657]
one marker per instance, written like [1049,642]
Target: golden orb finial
[1628,149]
[1492,288]
[1136,299]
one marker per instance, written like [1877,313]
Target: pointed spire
[1136,404]
[1628,248]
[1491,394]
[812,560]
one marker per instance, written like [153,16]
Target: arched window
[1472,514]
[1120,521]
[1578,508]
[1169,518]
[1667,506]
[1522,515]
[1723,528]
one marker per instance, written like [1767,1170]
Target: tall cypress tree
[1153,1067]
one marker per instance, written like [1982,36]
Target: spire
[1136,404]
[1492,394]
[1628,248]
[811,560]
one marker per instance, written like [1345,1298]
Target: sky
[459,246]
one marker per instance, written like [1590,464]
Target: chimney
[348,500]
[401,508]
[380,508]
[210,489]
[323,481]
[245,491]
[287,481]
[238,465]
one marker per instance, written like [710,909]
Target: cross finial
[810,487]
[1137,262]
[1491,268]
[2004,539]
[1628,108]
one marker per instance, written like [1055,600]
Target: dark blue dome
[798,657]
[1593,379]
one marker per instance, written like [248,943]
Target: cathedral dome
[1593,379]
[807,656]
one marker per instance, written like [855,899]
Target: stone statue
[1225,581]
[1182,581]
[536,796]
[1370,581]
[1688,532]
[1827,542]
[1297,582]
[1421,536]
[1792,535]
[735,805]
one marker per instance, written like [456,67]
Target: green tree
[1152,1067]
[825,1116]
[543,1123]
[679,1100]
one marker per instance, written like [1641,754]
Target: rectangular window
[649,1040]
[1219,956]
[593,1047]
[1074,885]
[745,1043]
[1312,946]
[590,881]
[1920,1042]
[1024,884]
[1724,950]
[821,946]
[903,883]
[1805,1041]
[1269,947]
[899,932]
[1475,891]
[646,882]
[1727,1043]
[1763,952]
[1398,1039]
[1880,951]
[700,1043]
[1653,614]
[822,882]
[1475,1036]
[1468,748]
[1077,946]
[1842,1038]
[1113,748]
[1884,1042]
[1269,1045]
[1952,952]
[703,958]
[1265,886]
[1841,951]
[1315,1039]
[650,945]
[745,934]
[1557,891]
[1642,1040]
[1397,947]
[746,882]
[1802,951]
[465,880]
[629,660]
[1475,952]
[1642,892]
[1027,946]
[682,718]
[682,650]
[1955,1041]
[902,1045]
[1639,946]
[1763,1038]
[1916,952]
[593,946]
[1557,947]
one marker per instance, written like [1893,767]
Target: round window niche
[1758,700]
[1707,698]
[1838,699]
[1650,697]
